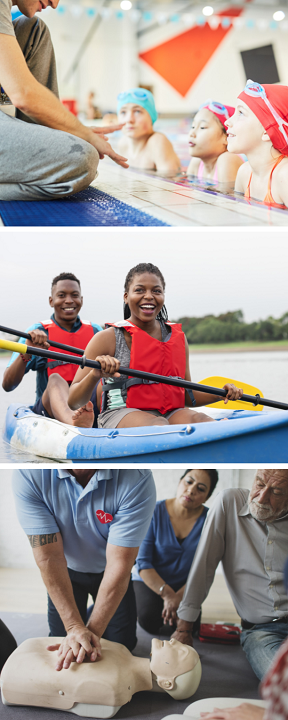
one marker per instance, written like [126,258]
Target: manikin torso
[97,689]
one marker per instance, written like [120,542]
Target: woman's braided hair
[138,270]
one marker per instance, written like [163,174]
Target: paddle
[215,381]
[177,382]
[69,348]
[248,389]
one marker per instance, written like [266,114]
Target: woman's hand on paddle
[109,366]
[79,643]
[245,711]
[104,148]
[233,393]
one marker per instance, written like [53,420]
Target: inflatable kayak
[246,437]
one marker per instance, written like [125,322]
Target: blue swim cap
[138,96]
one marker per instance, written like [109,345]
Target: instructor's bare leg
[55,401]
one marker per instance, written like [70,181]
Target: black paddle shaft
[152,377]
[68,348]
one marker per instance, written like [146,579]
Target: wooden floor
[180,204]
[23,591]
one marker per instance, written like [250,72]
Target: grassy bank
[246,346]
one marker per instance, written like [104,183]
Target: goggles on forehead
[137,94]
[258,91]
[216,108]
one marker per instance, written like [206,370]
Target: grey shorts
[112,418]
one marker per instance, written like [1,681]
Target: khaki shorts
[112,418]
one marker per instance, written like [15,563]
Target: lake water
[267,371]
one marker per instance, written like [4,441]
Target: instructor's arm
[80,641]
[33,99]
[119,563]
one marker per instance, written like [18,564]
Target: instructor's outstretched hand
[97,139]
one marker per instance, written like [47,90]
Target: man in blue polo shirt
[85,528]
[53,379]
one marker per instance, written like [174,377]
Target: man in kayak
[46,153]
[54,377]
[85,528]
[248,533]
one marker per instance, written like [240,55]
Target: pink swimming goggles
[222,112]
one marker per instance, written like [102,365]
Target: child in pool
[148,341]
[259,128]
[208,144]
[144,148]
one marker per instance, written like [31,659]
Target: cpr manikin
[98,689]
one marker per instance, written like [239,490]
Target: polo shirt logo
[103,517]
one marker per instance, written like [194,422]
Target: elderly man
[85,528]
[52,154]
[248,532]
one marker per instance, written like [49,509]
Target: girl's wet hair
[213,476]
[138,270]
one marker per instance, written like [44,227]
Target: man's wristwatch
[162,588]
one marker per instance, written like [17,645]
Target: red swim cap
[277,96]
[222,112]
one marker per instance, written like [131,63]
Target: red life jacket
[164,358]
[78,339]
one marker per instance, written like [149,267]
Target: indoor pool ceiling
[180,6]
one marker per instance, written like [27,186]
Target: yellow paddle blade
[13,346]
[219,382]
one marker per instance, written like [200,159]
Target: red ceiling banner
[182,58]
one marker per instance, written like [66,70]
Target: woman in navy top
[166,554]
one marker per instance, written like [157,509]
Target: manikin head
[31,7]
[268,498]
[176,666]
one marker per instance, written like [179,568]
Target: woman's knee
[149,619]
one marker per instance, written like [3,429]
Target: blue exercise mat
[89,207]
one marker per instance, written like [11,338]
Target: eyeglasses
[216,108]
[137,94]
[255,90]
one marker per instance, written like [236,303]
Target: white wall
[110,63]
[15,550]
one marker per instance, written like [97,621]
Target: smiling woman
[145,340]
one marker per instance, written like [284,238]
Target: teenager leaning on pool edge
[151,343]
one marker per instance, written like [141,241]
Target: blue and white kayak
[247,437]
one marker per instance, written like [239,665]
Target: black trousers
[122,626]
[149,611]
[7,643]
